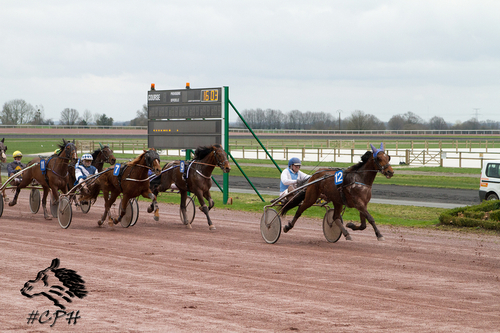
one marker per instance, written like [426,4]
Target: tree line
[357,120]
[19,112]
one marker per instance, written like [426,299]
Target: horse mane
[137,159]
[202,151]
[62,146]
[71,280]
[363,161]
[95,153]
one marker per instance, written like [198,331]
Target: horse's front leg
[364,215]
[207,196]
[204,208]
[154,204]
[107,207]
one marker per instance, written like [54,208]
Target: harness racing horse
[103,155]
[55,175]
[132,180]
[100,156]
[196,178]
[3,159]
[354,192]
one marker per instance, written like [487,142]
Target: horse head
[107,155]
[57,284]
[3,149]
[152,160]
[221,158]
[382,161]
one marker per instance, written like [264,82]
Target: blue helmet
[294,160]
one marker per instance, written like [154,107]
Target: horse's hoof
[12,203]
[100,223]
[381,238]
[350,225]
[48,217]
[156,218]
[348,237]
[110,223]
[188,226]
[150,210]
[6,199]
[286,228]
[212,227]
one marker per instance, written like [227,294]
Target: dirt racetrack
[162,277]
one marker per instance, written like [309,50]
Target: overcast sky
[382,57]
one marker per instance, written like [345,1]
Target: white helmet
[87,157]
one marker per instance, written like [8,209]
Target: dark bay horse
[3,159]
[100,156]
[196,178]
[55,177]
[103,155]
[354,192]
[132,181]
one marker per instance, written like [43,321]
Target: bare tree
[87,117]
[437,123]
[17,112]
[69,117]
[141,118]
[362,121]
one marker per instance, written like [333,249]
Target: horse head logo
[57,284]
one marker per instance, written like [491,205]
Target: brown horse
[132,181]
[3,159]
[54,178]
[103,155]
[100,156]
[354,192]
[196,178]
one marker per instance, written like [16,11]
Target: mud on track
[160,276]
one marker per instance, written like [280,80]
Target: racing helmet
[294,161]
[87,157]
[57,151]
[17,153]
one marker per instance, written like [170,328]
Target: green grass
[408,216]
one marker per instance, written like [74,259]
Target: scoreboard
[185,118]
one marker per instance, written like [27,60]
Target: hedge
[485,215]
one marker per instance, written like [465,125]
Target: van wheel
[492,196]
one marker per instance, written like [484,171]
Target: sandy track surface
[160,276]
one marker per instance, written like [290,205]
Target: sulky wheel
[1,204]
[190,211]
[126,220]
[64,212]
[85,206]
[331,230]
[270,226]
[34,200]
[135,210]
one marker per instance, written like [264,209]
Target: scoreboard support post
[225,137]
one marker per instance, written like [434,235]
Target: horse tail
[294,202]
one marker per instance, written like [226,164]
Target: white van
[489,188]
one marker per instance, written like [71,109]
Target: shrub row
[485,215]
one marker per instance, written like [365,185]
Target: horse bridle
[68,152]
[107,156]
[381,168]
